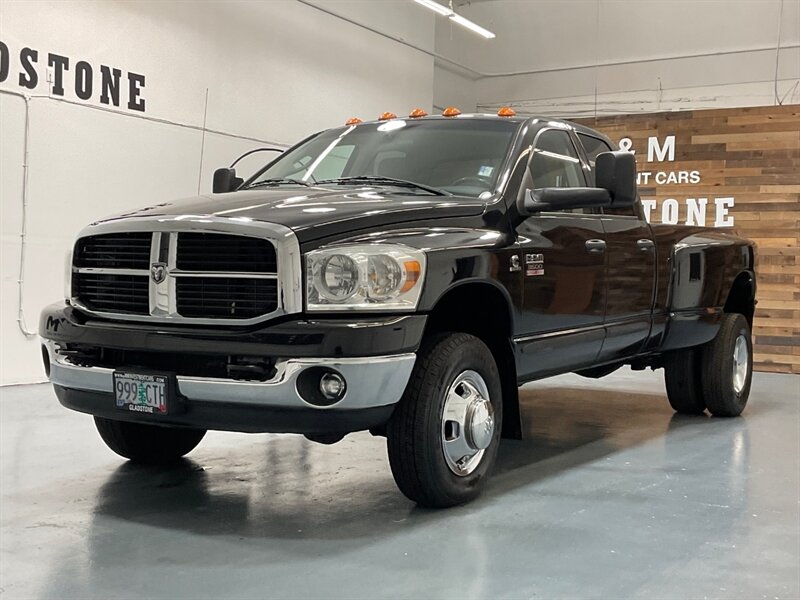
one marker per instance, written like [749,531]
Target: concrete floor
[611,496]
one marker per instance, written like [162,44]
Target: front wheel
[149,444]
[444,434]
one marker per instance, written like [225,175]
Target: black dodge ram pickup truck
[402,276]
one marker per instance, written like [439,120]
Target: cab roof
[533,119]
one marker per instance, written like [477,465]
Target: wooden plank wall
[753,156]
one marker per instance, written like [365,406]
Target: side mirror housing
[225,180]
[616,173]
[553,198]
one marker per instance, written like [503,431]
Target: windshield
[459,156]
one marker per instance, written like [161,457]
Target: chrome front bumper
[371,382]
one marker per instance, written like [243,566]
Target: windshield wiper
[278,181]
[385,181]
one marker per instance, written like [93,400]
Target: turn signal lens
[413,270]
[386,116]
[451,111]
[353,121]
[506,111]
[417,113]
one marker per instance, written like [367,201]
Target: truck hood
[316,212]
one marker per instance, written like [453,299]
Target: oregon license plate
[142,393]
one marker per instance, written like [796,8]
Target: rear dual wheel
[444,434]
[716,376]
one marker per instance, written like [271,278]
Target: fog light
[332,385]
[321,386]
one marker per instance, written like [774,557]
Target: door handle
[596,246]
[645,245]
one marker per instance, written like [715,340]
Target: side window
[594,146]
[555,162]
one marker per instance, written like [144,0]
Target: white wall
[550,49]
[453,87]
[275,71]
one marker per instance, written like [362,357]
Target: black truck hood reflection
[317,212]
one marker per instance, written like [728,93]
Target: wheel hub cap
[480,424]
[467,423]
[741,364]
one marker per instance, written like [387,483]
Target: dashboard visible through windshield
[457,156]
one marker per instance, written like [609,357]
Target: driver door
[563,264]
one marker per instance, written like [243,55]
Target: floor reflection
[590,457]
[558,421]
[609,496]
[288,487]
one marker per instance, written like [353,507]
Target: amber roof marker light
[506,111]
[386,116]
[417,113]
[353,121]
[451,111]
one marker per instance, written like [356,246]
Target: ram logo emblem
[158,271]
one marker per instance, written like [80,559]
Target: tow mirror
[553,199]
[616,173]
[225,180]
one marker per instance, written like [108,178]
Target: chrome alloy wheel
[467,423]
[741,363]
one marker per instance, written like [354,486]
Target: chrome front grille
[225,297]
[114,251]
[225,253]
[184,276]
[127,294]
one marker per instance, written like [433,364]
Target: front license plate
[142,393]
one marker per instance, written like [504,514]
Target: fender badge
[534,265]
[158,271]
[514,266]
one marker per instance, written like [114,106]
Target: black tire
[683,380]
[415,431]
[719,391]
[148,444]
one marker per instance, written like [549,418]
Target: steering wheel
[479,179]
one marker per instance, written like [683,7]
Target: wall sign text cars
[697,208]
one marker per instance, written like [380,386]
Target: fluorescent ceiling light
[473,26]
[435,6]
[453,16]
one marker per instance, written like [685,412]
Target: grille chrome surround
[278,293]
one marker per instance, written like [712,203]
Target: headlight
[364,277]
[336,278]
